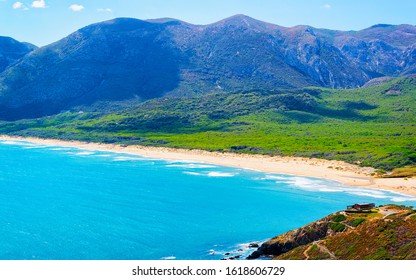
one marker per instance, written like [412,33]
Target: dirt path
[305,253]
[408,217]
[321,248]
[325,250]
[387,212]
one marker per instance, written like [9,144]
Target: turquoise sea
[65,203]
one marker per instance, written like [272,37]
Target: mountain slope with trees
[373,126]
[128,61]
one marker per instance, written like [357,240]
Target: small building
[360,207]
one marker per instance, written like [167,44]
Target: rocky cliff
[387,232]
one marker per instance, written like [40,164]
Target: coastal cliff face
[388,232]
[294,238]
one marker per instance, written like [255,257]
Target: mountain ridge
[12,50]
[129,59]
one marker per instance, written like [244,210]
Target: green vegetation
[337,227]
[339,218]
[370,238]
[295,254]
[379,238]
[316,254]
[357,222]
[371,126]
[298,253]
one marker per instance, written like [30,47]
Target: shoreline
[345,173]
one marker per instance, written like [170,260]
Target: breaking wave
[320,185]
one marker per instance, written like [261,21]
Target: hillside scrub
[368,127]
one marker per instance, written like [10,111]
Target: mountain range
[129,60]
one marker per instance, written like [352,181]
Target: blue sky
[44,21]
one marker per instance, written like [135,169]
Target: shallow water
[66,203]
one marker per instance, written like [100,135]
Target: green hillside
[373,126]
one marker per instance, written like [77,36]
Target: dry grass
[404,172]
[371,237]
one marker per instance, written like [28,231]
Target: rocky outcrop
[294,238]
[344,235]
[377,81]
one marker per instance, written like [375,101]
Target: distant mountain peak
[240,17]
[238,20]
[122,24]
[241,20]
[11,51]
[4,40]
[381,25]
[120,20]
[167,20]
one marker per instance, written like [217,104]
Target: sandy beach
[345,173]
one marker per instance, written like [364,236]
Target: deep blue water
[66,203]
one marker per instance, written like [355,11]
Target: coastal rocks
[232,258]
[292,239]
[242,252]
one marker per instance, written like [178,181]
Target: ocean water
[65,203]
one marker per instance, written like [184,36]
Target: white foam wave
[308,184]
[210,174]
[317,185]
[305,182]
[24,144]
[11,142]
[215,252]
[84,153]
[33,147]
[191,165]
[238,251]
[329,189]
[193,173]
[127,158]
[403,199]
[180,161]
[80,153]
[59,149]
[103,155]
[122,157]
[365,192]
[273,177]
[220,174]
[169,258]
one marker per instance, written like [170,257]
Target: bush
[356,222]
[339,218]
[337,227]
